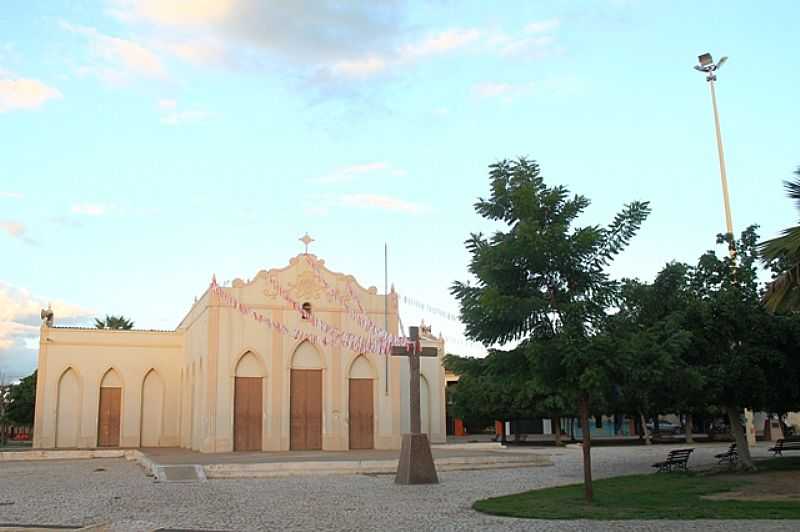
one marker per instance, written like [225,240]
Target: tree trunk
[647,439]
[587,449]
[688,429]
[555,423]
[745,461]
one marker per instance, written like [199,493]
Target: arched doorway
[361,406]
[248,405]
[68,409]
[152,409]
[305,402]
[109,420]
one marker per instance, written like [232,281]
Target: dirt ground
[767,486]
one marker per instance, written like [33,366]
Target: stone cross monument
[416,461]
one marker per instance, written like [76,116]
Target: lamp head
[705,59]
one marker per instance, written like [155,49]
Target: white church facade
[243,371]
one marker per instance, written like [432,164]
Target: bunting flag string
[332,335]
[360,316]
[380,343]
[430,308]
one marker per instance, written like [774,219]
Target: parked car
[665,427]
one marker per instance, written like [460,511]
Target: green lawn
[653,496]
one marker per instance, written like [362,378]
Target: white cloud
[66,221]
[184,117]
[532,47]
[172,12]
[542,26]
[172,115]
[316,211]
[311,32]
[14,229]
[324,41]
[509,91]
[372,63]
[10,329]
[359,68]
[440,43]
[90,209]
[167,104]
[19,93]
[116,60]
[537,41]
[328,38]
[377,201]
[19,326]
[491,89]
[12,195]
[347,173]
[198,52]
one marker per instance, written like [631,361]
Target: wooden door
[361,414]
[306,410]
[109,418]
[247,414]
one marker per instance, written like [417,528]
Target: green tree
[650,327]
[22,401]
[783,252]
[502,386]
[544,281]
[732,333]
[114,322]
[783,372]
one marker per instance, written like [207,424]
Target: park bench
[730,456]
[785,445]
[676,460]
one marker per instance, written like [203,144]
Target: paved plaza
[116,491]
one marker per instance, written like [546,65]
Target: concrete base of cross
[416,461]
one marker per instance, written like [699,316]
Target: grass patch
[653,496]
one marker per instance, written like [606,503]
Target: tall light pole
[709,68]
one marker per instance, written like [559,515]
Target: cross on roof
[306,240]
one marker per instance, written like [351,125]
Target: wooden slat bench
[785,445]
[730,456]
[677,460]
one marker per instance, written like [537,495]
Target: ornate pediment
[306,287]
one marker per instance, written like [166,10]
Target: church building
[292,359]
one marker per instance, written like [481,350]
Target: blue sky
[148,144]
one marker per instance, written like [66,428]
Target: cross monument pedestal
[416,460]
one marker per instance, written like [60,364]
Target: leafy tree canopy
[782,254]
[114,322]
[541,279]
[22,400]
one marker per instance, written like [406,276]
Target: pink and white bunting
[381,343]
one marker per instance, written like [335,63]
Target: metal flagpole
[386,311]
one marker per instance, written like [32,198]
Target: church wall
[236,338]
[196,370]
[239,334]
[193,363]
[433,371]
[90,354]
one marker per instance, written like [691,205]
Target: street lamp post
[709,68]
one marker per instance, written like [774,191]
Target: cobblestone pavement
[106,490]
